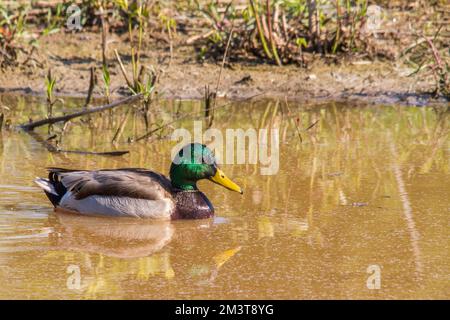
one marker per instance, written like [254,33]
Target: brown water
[367,186]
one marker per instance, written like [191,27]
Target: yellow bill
[223,180]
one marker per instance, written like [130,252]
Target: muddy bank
[70,57]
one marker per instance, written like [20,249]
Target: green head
[194,162]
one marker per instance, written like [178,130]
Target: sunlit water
[366,188]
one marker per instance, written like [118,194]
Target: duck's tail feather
[49,190]
[46,185]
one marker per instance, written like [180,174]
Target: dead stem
[169,31]
[312,125]
[92,82]
[122,68]
[210,112]
[121,127]
[104,34]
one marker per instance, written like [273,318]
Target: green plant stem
[31,125]
[260,32]
[271,40]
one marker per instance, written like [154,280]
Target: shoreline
[372,82]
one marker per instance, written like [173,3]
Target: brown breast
[191,205]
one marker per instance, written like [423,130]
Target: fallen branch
[30,126]
[95,153]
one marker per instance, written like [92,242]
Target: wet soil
[70,57]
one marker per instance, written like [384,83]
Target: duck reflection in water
[130,238]
[120,238]
[123,238]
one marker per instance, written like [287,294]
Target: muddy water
[365,190]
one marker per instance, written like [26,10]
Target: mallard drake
[139,192]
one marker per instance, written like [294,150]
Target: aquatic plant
[49,88]
[50,83]
[55,19]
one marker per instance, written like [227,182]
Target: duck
[138,192]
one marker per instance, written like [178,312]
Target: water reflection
[364,185]
[123,238]
[407,210]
